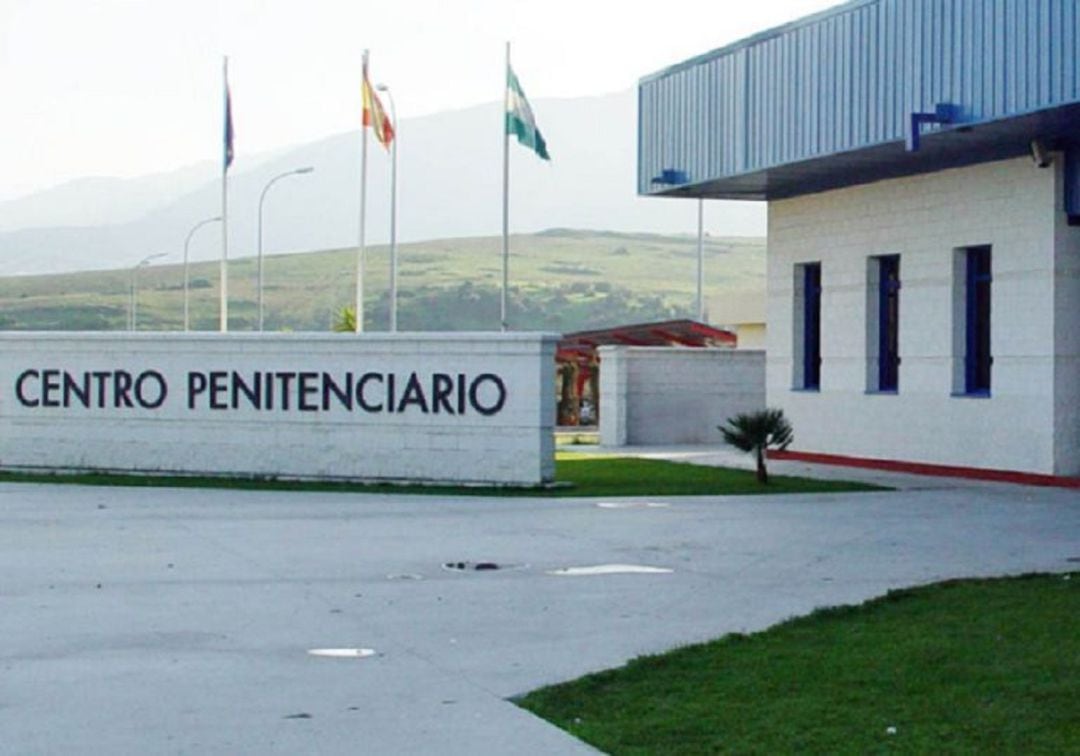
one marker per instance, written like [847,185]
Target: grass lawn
[575,474]
[973,666]
[594,475]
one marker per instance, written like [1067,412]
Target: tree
[569,410]
[754,432]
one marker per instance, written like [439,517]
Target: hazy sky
[130,87]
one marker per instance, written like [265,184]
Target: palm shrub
[345,322]
[754,432]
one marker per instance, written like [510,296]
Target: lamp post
[134,273]
[270,183]
[700,315]
[393,208]
[187,241]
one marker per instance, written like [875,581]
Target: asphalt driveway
[180,621]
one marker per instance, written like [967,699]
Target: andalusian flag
[519,117]
[375,116]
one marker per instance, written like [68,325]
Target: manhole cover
[612,569]
[343,653]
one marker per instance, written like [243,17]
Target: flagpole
[359,319]
[393,208]
[224,273]
[506,194]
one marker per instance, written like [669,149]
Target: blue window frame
[811,326]
[977,357]
[889,323]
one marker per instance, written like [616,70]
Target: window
[977,357]
[883,323]
[971,312]
[807,331]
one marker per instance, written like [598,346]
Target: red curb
[922,468]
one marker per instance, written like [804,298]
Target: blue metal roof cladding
[829,100]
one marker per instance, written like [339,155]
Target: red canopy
[580,347]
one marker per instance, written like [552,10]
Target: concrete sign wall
[476,408]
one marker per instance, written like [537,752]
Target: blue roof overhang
[945,147]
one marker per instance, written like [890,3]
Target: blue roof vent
[672,177]
[944,112]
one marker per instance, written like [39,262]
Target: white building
[921,161]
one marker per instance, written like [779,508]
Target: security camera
[1040,155]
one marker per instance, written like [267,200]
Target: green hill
[561,280]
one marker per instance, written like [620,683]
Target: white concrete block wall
[1012,206]
[613,387]
[514,445]
[670,395]
[1067,338]
[750,335]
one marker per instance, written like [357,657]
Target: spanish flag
[375,116]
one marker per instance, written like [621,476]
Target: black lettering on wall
[50,386]
[101,378]
[462,394]
[474,393]
[268,390]
[285,379]
[122,389]
[442,386]
[308,388]
[251,391]
[160,388]
[72,387]
[413,394]
[361,397]
[218,387]
[453,394]
[20,394]
[196,384]
[344,395]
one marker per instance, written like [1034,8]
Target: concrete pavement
[179,621]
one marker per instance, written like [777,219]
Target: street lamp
[134,272]
[271,182]
[700,314]
[200,224]
[393,208]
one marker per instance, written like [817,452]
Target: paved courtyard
[180,621]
